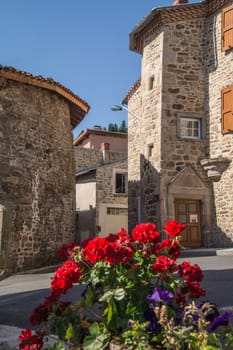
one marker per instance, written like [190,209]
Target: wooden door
[188,213]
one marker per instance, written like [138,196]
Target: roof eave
[156,16]
[78,107]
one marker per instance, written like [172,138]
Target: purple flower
[159,295]
[150,316]
[222,320]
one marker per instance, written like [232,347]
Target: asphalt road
[20,294]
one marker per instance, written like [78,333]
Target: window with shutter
[227,110]
[227,28]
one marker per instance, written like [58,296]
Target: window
[151,83]
[117,211]
[227,110]
[190,128]
[120,182]
[150,150]
[227,28]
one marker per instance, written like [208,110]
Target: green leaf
[57,346]
[95,329]
[98,338]
[119,294]
[69,332]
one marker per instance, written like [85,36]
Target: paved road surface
[20,294]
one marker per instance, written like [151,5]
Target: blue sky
[82,44]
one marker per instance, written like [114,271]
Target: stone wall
[184,94]
[144,143]
[219,68]
[173,82]
[37,184]
[183,73]
[134,144]
[88,158]
[104,184]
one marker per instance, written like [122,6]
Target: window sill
[120,194]
[189,139]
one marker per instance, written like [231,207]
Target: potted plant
[136,296]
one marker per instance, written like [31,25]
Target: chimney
[105,150]
[179,2]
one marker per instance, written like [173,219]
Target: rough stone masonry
[37,181]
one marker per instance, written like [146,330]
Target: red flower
[39,314]
[164,264]
[66,250]
[118,248]
[64,277]
[192,273]
[195,290]
[145,233]
[168,247]
[94,249]
[173,228]
[28,341]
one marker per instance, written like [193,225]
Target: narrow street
[20,294]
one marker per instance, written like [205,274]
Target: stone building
[180,148]
[101,183]
[37,182]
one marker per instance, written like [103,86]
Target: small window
[117,211]
[227,28]
[150,150]
[151,82]
[190,128]
[227,110]
[120,182]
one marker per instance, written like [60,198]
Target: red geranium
[39,314]
[195,290]
[28,341]
[168,247]
[164,264]
[66,250]
[94,249]
[65,277]
[145,233]
[173,228]
[192,273]
[118,249]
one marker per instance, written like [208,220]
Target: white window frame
[193,117]
[192,129]
[121,172]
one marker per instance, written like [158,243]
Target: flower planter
[134,291]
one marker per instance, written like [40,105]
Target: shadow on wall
[144,196]
[85,224]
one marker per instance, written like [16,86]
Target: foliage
[136,293]
[115,128]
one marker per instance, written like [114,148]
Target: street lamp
[117,108]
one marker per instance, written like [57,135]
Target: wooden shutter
[227,28]
[227,110]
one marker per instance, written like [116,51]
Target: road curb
[202,252]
